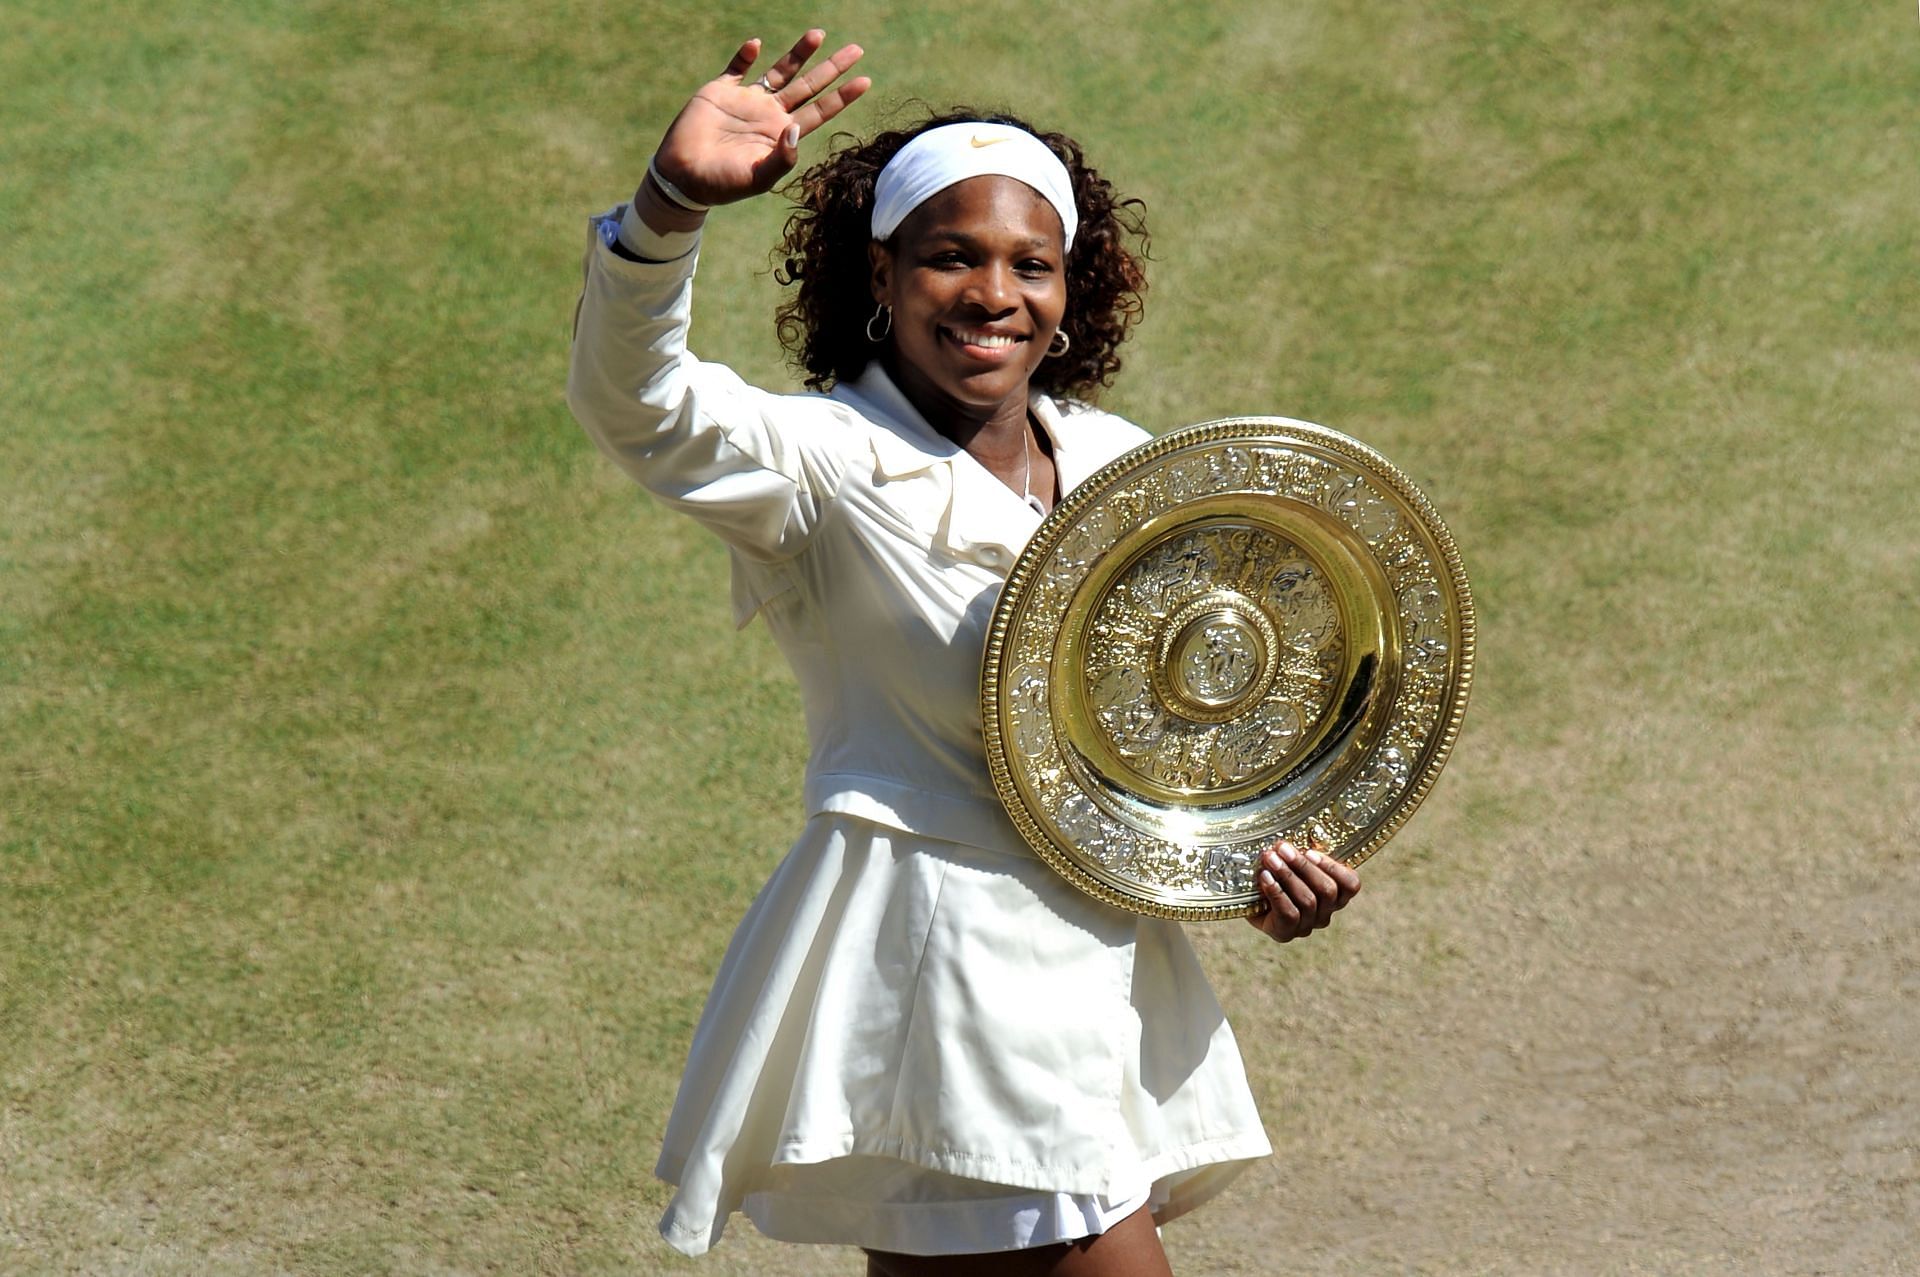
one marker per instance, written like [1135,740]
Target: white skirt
[919,1046]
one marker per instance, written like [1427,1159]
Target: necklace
[1026,474]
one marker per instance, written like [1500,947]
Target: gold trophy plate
[1248,629]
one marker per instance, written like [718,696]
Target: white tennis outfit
[921,1038]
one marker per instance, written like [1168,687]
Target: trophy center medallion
[1215,660]
[1216,656]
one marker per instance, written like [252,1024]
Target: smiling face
[976,277]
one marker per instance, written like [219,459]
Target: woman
[921,1041]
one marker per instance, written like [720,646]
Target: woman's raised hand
[737,137]
[1300,890]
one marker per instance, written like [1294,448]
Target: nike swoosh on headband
[992,141]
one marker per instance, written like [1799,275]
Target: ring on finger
[764,83]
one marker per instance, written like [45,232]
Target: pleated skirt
[919,1046]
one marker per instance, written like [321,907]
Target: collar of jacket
[984,521]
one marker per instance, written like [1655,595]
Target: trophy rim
[1281,432]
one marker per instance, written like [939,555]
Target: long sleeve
[757,468]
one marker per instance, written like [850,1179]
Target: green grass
[379,775]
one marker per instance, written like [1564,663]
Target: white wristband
[673,192]
[655,246]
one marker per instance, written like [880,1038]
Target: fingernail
[1287,853]
[1266,879]
[793,135]
[1314,856]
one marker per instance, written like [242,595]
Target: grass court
[380,778]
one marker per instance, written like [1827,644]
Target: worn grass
[379,778]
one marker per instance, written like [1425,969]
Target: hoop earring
[1060,344]
[883,311]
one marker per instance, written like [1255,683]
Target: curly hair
[824,252]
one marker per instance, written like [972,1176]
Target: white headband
[953,153]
